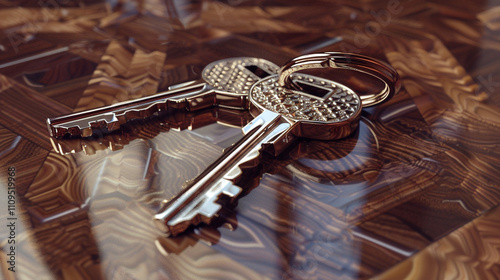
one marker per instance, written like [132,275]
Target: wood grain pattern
[134,73]
[412,194]
[470,253]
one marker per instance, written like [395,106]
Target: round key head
[328,110]
[237,74]
[319,108]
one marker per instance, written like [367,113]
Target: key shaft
[148,129]
[198,202]
[195,97]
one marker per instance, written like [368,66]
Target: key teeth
[204,207]
[82,130]
[204,211]
[232,190]
[209,208]
[233,174]
[108,121]
[251,160]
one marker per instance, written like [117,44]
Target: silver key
[328,111]
[181,120]
[225,83]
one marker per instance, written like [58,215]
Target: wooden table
[412,194]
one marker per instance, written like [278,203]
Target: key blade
[80,125]
[199,202]
[181,120]
[110,118]
[202,209]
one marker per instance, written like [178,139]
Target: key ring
[332,113]
[349,61]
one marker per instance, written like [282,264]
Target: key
[225,83]
[328,110]
[150,128]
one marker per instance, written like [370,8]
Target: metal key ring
[349,61]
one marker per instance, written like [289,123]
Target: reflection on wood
[470,253]
[150,128]
[23,111]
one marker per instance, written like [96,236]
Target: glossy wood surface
[412,194]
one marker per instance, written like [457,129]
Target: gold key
[225,83]
[329,111]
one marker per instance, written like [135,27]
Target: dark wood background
[413,194]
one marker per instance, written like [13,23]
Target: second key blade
[198,202]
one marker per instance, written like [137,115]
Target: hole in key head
[360,83]
[314,90]
[257,71]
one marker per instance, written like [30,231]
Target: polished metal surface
[346,61]
[226,84]
[286,114]
[412,193]
[198,201]
[332,112]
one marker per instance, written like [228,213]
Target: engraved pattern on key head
[338,104]
[237,74]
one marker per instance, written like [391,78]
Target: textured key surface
[238,74]
[337,103]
